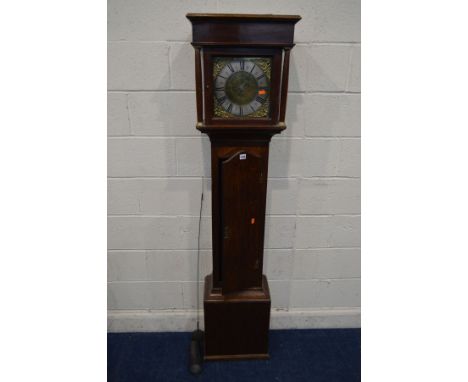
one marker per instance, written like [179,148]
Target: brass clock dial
[241,87]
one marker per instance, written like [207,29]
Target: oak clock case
[241,75]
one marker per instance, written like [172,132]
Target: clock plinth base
[237,324]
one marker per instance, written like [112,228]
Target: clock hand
[242,87]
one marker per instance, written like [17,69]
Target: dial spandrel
[241,87]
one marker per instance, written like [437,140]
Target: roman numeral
[221,88]
[221,100]
[230,68]
[219,75]
[229,108]
[253,67]
[242,64]
[260,100]
[241,112]
[253,110]
[261,76]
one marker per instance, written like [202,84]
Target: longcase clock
[241,73]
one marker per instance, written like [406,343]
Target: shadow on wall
[193,160]
[280,148]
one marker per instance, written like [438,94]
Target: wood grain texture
[198,85]
[239,30]
[237,299]
[237,324]
[241,17]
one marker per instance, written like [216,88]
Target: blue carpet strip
[329,355]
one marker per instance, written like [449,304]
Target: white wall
[157,159]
